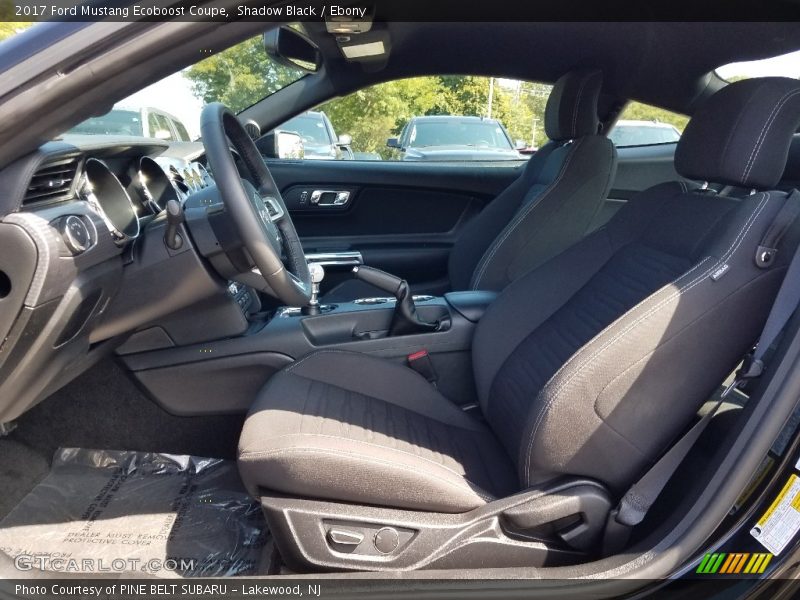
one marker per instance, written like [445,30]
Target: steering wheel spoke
[258,211]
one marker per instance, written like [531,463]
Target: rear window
[785,65]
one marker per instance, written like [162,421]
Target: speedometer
[105,190]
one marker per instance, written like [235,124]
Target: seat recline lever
[406,320]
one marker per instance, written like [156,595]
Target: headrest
[741,135]
[571,110]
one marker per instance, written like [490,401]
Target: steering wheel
[259,213]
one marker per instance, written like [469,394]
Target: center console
[223,376]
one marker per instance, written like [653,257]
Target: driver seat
[587,369]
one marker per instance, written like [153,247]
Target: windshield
[116,122]
[484,134]
[238,77]
[310,128]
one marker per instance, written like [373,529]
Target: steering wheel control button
[345,537]
[76,234]
[386,540]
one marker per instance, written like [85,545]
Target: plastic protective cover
[101,511]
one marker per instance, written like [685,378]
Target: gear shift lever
[317,275]
[405,320]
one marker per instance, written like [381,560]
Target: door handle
[330,197]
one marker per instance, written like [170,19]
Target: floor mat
[161,514]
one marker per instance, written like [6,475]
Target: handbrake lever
[405,320]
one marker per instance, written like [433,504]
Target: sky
[174,94]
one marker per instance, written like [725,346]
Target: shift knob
[317,275]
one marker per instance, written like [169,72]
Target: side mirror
[393,143]
[162,134]
[281,144]
[520,145]
[290,48]
[345,140]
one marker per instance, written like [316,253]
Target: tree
[244,74]
[239,76]
[9,29]
[373,114]
[636,111]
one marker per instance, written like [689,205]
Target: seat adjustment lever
[345,537]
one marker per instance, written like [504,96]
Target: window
[183,135]
[159,127]
[449,131]
[645,125]
[442,118]
[116,122]
[786,65]
[238,77]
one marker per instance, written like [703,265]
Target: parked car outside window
[643,133]
[453,137]
[137,122]
[320,141]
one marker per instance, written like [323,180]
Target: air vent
[252,129]
[52,181]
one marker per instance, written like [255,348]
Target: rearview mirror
[290,48]
[520,145]
[393,143]
[281,144]
[162,134]
[345,140]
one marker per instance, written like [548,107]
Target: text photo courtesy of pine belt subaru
[392,304]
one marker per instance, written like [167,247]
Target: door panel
[402,217]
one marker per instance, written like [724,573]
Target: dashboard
[83,263]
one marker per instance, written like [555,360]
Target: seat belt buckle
[421,363]
[751,369]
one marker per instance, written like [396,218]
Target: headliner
[667,64]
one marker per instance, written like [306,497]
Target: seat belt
[638,500]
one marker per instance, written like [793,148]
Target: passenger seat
[549,207]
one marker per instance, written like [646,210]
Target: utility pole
[534,122]
[491,96]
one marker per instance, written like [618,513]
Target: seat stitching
[554,395]
[522,215]
[764,130]
[470,485]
